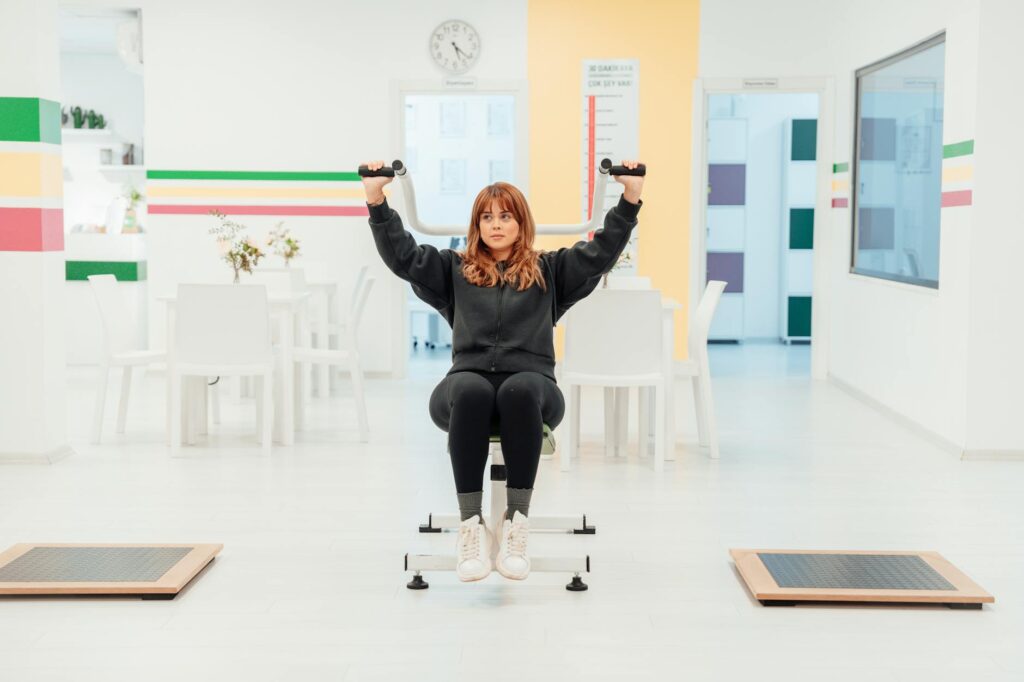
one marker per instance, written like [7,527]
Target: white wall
[995,368]
[298,86]
[903,346]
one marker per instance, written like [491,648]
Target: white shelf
[90,135]
[120,168]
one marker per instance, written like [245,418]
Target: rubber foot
[417,583]
[577,585]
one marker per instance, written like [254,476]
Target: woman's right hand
[374,186]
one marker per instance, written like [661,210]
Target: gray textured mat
[853,571]
[92,564]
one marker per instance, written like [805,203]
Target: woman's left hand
[631,184]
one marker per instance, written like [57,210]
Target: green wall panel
[124,271]
[805,139]
[801,228]
[799,316]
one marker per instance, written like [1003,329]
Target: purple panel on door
[727,184]
[727,267]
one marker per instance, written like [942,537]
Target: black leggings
[471,406]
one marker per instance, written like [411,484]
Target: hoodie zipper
[497,333]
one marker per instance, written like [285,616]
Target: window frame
[937,39]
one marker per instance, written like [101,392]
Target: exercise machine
[437,523]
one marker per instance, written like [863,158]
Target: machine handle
[608,169]
[396,168]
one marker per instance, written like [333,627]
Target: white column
[32,379]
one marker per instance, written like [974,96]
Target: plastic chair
[698,369]
[336,329]
[222,330]
[118,350]
[345,357]
[613,339]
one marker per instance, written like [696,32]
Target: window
[897,168]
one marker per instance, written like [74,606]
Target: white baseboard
[935,439]
[50,457]
[994,455]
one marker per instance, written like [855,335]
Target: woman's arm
[580,267]
[423,266]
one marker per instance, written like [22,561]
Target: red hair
[523,267]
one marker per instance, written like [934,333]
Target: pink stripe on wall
[192,209]
[962,197]
[31,229]
[840,202]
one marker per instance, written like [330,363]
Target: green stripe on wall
[124,271]
[248,175]
[29,119]
[840,167]
[964,148]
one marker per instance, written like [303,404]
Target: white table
[286,311]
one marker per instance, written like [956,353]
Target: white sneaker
[512,560]
[473,550]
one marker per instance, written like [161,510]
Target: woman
[502,299]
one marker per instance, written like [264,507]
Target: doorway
[762,188]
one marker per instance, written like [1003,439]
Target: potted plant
[283,243]
[241,253]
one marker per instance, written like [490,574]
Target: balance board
[151,571]
[786,577]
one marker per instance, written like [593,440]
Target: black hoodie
[499,329]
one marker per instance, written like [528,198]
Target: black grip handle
[607,167]
[396,167]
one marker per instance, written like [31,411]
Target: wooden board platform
[56,559]
[762,585]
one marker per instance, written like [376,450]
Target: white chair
[222,330]
[613,339]
[346,357]
[698,369]
[336,328]
[118,350]
[616,400]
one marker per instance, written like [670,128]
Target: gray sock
[518,501]
[471,504]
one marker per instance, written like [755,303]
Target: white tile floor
[310,584]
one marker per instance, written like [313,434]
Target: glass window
[897,169]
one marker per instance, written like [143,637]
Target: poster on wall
[611,125]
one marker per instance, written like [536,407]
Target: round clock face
[455,46]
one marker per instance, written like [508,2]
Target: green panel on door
[805,139]
[799,316]
[801,228]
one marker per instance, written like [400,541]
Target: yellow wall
[662,35]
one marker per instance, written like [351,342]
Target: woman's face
[499,230]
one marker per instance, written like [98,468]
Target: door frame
[466,86]
[824,87]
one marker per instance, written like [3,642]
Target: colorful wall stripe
[269,193]
[841,185]
[31,182]
[957,177]
[958,174]
[29,119]
[31,229]
[124,271]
